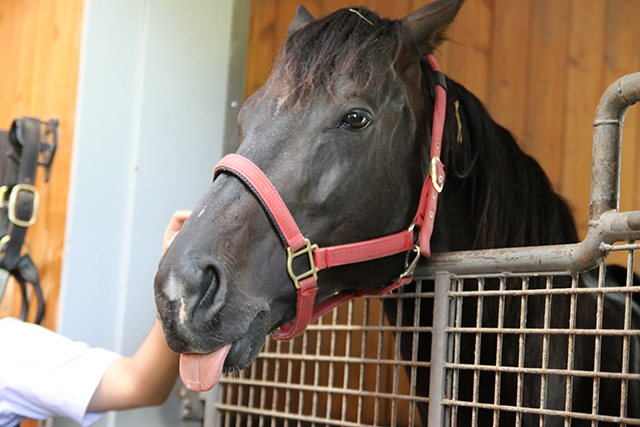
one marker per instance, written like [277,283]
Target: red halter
[319,258]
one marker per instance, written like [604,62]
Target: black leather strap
[19,164]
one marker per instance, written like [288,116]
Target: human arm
[148,377]
[142,380]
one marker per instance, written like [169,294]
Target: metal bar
[237,64]
[303,376]
[498,375]
[363,350]
[595,400]
[571,344]
[380,328]
[540,371]
[414,356]
[252,395]
[625,340]
[476,352]
[347,353]
[441,305]
[396,366]
[332,357]
[545,352]
[457,337]
[239,399]
[274,400]
[450,351]
[376,413]
[316,377]
[548,412]
[212,416]
[263,395]
[542,331]
[556,291]
[630,246]
[609,228]
[521,346]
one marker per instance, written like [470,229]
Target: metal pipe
[441,306]
[609,228]
[607,137]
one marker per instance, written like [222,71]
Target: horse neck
[495,195]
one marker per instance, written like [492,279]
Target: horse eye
[355,120]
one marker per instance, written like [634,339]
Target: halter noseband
[320,258]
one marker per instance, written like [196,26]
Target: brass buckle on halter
[313,271]
[433,171]
[13,198]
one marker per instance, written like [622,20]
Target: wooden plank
[469,50]
[622,56]
[510,64]
[261,51]
[584,89]
[545,109]
[39,65]
[389,9]
[285,13]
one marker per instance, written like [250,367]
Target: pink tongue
[201,372]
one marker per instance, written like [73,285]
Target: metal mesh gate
[510,338]
[555,350]
[345,370]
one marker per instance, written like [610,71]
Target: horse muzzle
[201,311]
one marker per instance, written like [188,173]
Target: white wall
[149,130]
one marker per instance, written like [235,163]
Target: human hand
[175,224]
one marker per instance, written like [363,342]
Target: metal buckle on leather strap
[313,271]
[13,199]
[436,178]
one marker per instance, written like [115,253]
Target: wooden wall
[39,58]
[539,66]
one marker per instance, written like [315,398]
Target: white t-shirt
[43,374]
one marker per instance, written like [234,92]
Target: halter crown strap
[321,258]
[426,214]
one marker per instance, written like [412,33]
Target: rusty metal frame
[310,381]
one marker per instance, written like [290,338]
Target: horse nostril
[214,296]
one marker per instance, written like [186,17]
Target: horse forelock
[349,42]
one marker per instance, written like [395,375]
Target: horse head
[341,131]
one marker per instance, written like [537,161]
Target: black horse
[342,130]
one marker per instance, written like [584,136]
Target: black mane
[514,203]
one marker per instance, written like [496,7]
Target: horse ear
[427,24]
[302,18]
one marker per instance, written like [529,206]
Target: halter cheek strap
[320,258]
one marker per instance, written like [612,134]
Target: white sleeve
[43,374]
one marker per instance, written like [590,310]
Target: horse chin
[245,351]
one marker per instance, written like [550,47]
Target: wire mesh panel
[519,349]
[355,366]
[544,349]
